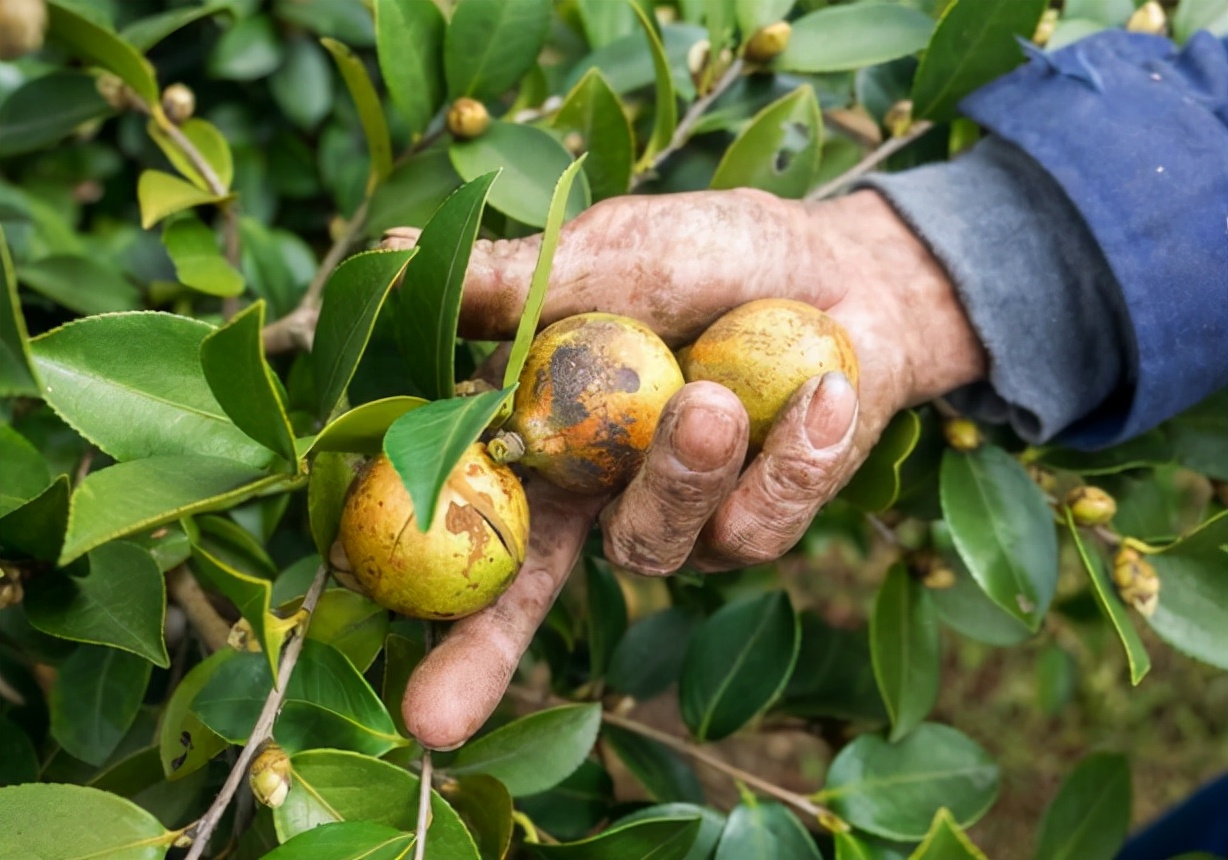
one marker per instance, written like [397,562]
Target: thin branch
[83,468]
[205,620]
[263,730]
[203,167]
[424,777]
[871,161]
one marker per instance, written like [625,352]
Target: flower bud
[1148,18]
[962,434]
[178,103]
[11,590]
[23,24]
[269,775]
[898,118]
[939,578]
[931,569]
[1045,27]
[113,90]
[467,118]
[573,142]
[1091,506]
[697,60]
[243,638]
[769,42]
[1136,580]
[1042,477]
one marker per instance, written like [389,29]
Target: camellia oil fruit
[590,397]
[468,556]
[765,350]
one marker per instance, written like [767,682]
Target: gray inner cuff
[1032,279]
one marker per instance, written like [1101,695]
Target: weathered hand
[677,263]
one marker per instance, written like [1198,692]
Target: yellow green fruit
[1091,506]
[590,397]
[768,42]
[764,351]
[467,558]
[269,775]
[467,118]
[962,434]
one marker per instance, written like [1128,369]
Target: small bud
[665,15]
[898,118]
[931,569]
[574,143]
[23,24]
[178,103]
[11,592]
[113,91]
[1136,580]
[243,638]
[183,840]
[1091,506]
[1148,18]
[962,434]
[939,578]
[269,775]
[1042,477]
[697,59]
[1045,27]
[467,118]
[769,42]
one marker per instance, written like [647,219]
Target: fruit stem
[506,447]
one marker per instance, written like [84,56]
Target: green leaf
[1150,449]
[1002,529]
[16,368]
[251,595]
[46,110]
[148,32]
[753,14]
[185,744]
[103,46]
[409,36]
[353,296]
[876,485]
[1199,436]
[605,21]
[199,263]
[18,758]
[737,663]
[592,110]
[904,646]
[947,841]
[303,86]
[332,785]
[1109,13]
[96,697]
[1192,613]
[351,623]
[139,403]
[651,839]
[409,197]
[834,675]
[628,67]
[130,497]
[779,150]
[894,790]
[860,846]
[965,607]
[403,651]
[370,110]
[208,141]
[484,804]
[840,38]
[973,44]
[430,297]
[348,20]
[533,753]
[426,444]
[72,822]
[26,473]
[663,773]
[347,840]
[665,108]
[711,824]
[1111,605]
[526,329]
[249,50]
[606,615]
[331,476]
[362,429]
[233,361]
[1194,15]
[85,285]
[765,830]
[36,528]
[1089,816]
[162,194]
[491,43]
[527,158]
[649,657]
[121,603]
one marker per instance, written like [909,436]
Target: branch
[871,161]
[424,777]
[205,620]
[263,730]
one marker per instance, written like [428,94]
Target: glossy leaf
[303,86]
[45,110]
[351,623]
[649,656]
[779,150]
[347,840]
[753,14]
[208,141]
[1149,449]
[528,160]
[185,744]
[834,675]
[425,445]
[651,839]
[26,473]
[606,615]
[18,758]
[894,790]
[137,404]
[353,296]
[1111,605]
[852,845]
[362,429]
[248,51]
[74,822]
[665,108]
[1199,436]
[491,43]
[430,298]
[947,841]
[370,110]
[103,46]
[628,67]
[199,263]
[737,663]
[149,31]
[112,682]
[485,806]
[1194,15]
[252,595]
[973,44]
[82,284]
[409,36]
[904,646]
[876,485]
[121,603]
[162,194]
[593,111]
[413,192]
[36,527]
[765,830]
[1002,529]
[16,368]
[1089,816]
[711,824]
[535,752]
[403,651]
[331,476]
[965,607]
[839,38]
[663,773]
[1192,613]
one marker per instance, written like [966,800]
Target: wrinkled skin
[676,263]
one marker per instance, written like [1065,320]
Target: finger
[808,456]
[458,684]
[694,461]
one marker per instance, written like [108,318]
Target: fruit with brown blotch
[467,118]
[764,351]
[468,556]
[590,397]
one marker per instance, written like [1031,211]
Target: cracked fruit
[467,558]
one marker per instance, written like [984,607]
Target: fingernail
[831,411]
[703,439]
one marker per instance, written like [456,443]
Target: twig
[682,133]
[203,829]
[884,531]
[424,777]
[83,468]
[871,161]
[205,620]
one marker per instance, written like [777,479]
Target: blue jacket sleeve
[1136,135]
